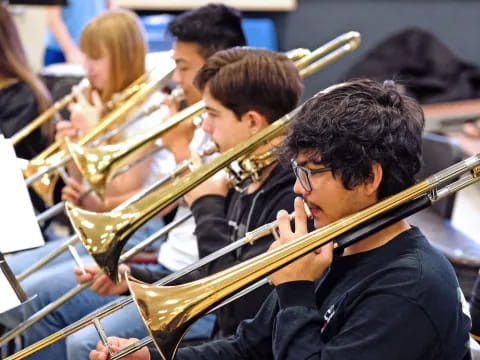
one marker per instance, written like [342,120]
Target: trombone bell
[103,235]
[92,163]
[168,311]
[45,186]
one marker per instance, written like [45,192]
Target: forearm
[59,30]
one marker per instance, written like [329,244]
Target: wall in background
[32,25]
[454,22]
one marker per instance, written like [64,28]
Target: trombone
[39,169]
[47,114]
[343,232]
[106,233]
[167,125]
[169,311]
[108,309]
[101,232]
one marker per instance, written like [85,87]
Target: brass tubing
[249,238]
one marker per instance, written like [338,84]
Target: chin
[320,221]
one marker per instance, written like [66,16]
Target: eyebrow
[312,161]
[180,60]
[208,108]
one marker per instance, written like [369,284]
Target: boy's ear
[372,184]
[255,121]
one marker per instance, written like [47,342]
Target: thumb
[97,101]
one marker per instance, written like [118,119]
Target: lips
[313,208]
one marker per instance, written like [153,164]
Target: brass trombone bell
[98,165]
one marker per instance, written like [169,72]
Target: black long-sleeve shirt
[399,301]
[223,220]
[18,107]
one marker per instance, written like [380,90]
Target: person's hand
[116,344]
[173,104]
[73,192]
[216,185]
[308,267]
[472,129]
[103,286]
[83,114]
[65,129]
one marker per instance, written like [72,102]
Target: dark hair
[244,79]
[356,124]
[14,64]
[213,27]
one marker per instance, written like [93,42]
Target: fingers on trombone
[300,216]
[81,276]
[283,225]
[70,194]
[97,101]
[101,285]
[100,352]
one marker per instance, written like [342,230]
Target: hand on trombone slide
[75,192]
[85,114]
[116,344]
[103,286]
[216,185]
[308,267]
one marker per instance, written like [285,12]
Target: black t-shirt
[399,301]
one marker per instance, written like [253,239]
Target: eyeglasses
[303,174]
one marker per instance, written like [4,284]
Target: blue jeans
[124,323]
[56,278]
[23,260]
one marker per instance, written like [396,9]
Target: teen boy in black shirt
[390,295]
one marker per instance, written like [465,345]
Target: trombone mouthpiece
[307,210]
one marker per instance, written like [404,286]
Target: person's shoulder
[17,93]
[415,266]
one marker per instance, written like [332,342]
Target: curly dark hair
[356,124]
[213,27]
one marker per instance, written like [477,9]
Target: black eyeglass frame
[303,174]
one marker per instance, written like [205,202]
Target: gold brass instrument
[248,239]
[179,117]
[169,311]
[104,235]
[39,169]
[98,165]
[47,114]
[103,232]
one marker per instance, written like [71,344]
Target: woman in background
[22,94]
[114,56]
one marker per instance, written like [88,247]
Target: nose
[176,77]
[207,125]
[298,188]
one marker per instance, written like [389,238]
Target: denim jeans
[124,323]
[23,260]
[56,278]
